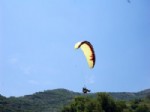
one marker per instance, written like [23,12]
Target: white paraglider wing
[88,51]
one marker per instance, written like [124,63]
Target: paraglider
[88,51]
[85,90]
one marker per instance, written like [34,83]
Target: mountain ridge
[141,93]
[54,100]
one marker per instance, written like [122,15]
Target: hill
[54,100]
[47,101]
[130,95]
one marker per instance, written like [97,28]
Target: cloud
[13,61]
[0,85]
[90,79]
[39,82]
[18,65]
[33,82]
[27,70]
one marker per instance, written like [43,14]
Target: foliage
[102,103]
[67,101]
[105,103]
[47,101]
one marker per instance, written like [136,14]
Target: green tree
[142,108]
[102,103]
[121,106]
[106,102]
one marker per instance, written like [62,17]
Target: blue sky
[37,39]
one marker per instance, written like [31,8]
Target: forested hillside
[62,100]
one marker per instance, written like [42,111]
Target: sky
[37,39]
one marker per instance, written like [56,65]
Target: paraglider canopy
[88,51]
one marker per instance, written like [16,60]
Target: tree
[142,108]
[107,103]
[102,103]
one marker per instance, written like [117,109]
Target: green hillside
[130,95]
[55,100]
[47,101]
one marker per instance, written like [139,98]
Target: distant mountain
[47,101]
[130,95]
[50,100]
[54,100]
[143,93]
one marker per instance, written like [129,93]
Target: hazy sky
[37,39]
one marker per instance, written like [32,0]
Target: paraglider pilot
[85,90]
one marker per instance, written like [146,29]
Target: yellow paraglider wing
[88,51]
